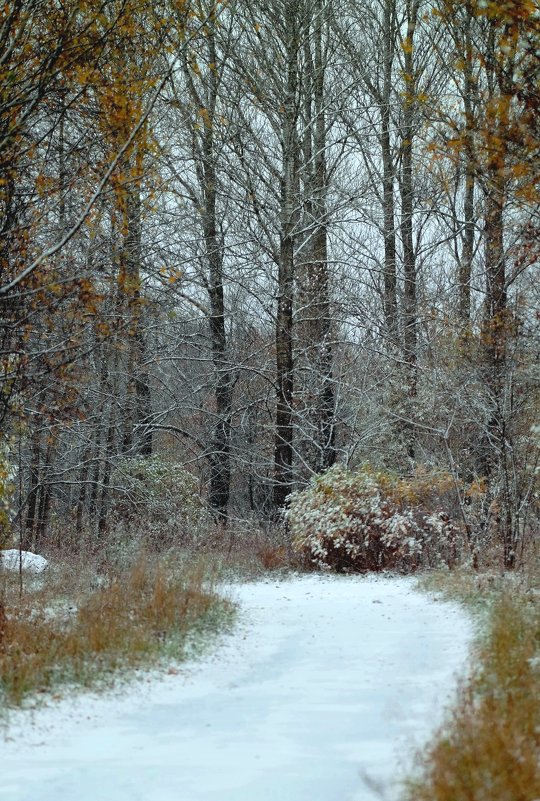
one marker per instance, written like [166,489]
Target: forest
[246,243]
[269,345]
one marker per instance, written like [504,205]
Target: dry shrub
[273,557]
[248,549]
[134,618]
[489,750]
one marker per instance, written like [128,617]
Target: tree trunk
[410,317]
[110,450]
[315,357]
[33,493]
[494,329]
[81,500]
[137,436]
[45,495]
[283,447]
[390,281]
[283,443]
[466,260]
[220,460]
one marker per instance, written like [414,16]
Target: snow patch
[31,562]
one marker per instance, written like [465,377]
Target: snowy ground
[320,694]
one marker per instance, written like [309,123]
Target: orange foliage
[506,139]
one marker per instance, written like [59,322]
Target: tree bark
[137,436]
[467,253]
[389,230]
[410,312]
[283,443]
[45,495]
[32,510]
[315,356]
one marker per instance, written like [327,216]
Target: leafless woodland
[254,239]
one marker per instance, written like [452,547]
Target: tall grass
[489,748]
[61,633]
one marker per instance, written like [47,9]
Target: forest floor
[321,692]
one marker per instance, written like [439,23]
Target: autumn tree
[495,136]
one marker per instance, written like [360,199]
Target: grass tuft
[151,610]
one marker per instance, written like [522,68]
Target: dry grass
[108,610]
[66,631]
[248,552]
[273,557]
[489,748]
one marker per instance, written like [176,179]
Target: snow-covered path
[319,694]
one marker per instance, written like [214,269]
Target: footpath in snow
[321,693]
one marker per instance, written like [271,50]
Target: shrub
[273,557]
[160,499]
[353,522]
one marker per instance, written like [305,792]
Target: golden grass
[489,748]
[273,557]
[247,553]
[144,613]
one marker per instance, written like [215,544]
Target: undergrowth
[66,631]
[489,747]
[249,553]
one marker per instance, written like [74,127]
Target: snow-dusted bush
[357,521]
[159,499]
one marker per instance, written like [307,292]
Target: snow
[321,693]
[32,562]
